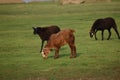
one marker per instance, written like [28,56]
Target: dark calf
[45,33]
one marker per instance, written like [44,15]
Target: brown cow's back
[61,37]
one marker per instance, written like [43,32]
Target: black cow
[103,24]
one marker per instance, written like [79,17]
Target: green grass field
[19,48]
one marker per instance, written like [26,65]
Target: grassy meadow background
[19,48]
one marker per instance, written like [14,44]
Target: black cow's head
[91,33]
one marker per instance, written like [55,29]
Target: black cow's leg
[109,34]
[95,35]
[42,46]
[102,34]
[117,33]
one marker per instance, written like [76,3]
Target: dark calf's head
[35,30]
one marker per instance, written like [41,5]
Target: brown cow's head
[45,52]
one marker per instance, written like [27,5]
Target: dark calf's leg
[42,46]
[102,34]
[109,34]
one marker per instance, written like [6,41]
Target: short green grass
[19,48]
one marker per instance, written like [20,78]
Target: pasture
[19,48]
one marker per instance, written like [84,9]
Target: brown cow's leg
[56,53]
[73,51]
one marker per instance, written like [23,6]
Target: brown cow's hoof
[73,56]
[56,57]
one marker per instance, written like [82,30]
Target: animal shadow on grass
[68,55]
[105,39]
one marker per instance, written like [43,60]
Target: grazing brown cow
[59,39]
